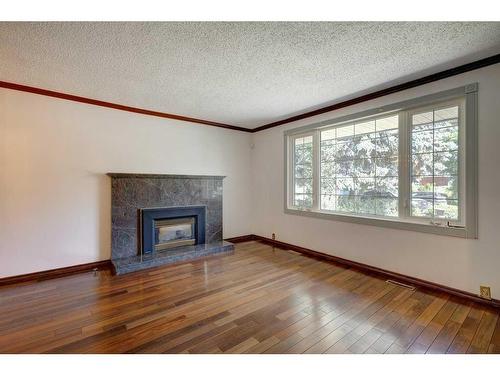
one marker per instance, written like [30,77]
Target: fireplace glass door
[174,232]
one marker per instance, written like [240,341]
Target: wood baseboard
[106,264]
[246,238]
[58,272]
[377,271]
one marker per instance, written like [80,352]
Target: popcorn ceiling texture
[245,74]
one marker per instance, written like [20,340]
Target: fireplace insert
[170,227]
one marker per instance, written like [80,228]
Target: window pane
[387,187]
[345,150]
[345,132]
[328,202]
[346,203]
[386,166]
[328,170]
[303,154]
[426,118]
[303,200]
[362,167]
[422,141]
[303,185]
[423,185]
[303,141]
[434,168]
[359,164]
[446,123]
[446,114]
[345,186]
[367,205]
[422,164]
[446,139]
[303,172]
[446,209]
[364,146]
[446,187]
[387,145]
[327,186]
[364,186]
[388,124]
[422,207]
[327,151]
[344,168]
[328,135]
[446,163]
[364,128]
[387,206]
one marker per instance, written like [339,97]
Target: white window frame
[466,227]
[291,175]
[460,102]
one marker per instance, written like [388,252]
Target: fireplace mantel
[174,176]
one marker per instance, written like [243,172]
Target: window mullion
[291,168]
[404,162]
[316,170]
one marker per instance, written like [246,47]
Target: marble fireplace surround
[132,192]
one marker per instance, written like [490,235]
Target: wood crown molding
[495,59]
[120,107]
[371,269]
[55,273]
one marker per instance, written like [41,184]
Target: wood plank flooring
[257,300]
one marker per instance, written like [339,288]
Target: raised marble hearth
[132,195]
[175,255]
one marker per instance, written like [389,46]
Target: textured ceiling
[245,74]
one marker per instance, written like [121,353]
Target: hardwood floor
[258,300]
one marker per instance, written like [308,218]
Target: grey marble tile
[130,192]
[123,242]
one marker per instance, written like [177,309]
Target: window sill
[384,222]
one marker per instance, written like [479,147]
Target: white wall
[459,263]
[55,198]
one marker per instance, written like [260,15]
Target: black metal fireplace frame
[149,215]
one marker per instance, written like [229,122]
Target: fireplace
[171,227]
[161,219]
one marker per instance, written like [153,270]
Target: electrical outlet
[484,292]
[273,236]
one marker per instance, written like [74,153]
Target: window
[402,166]
[435,155]
[359,167]
[303,171]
